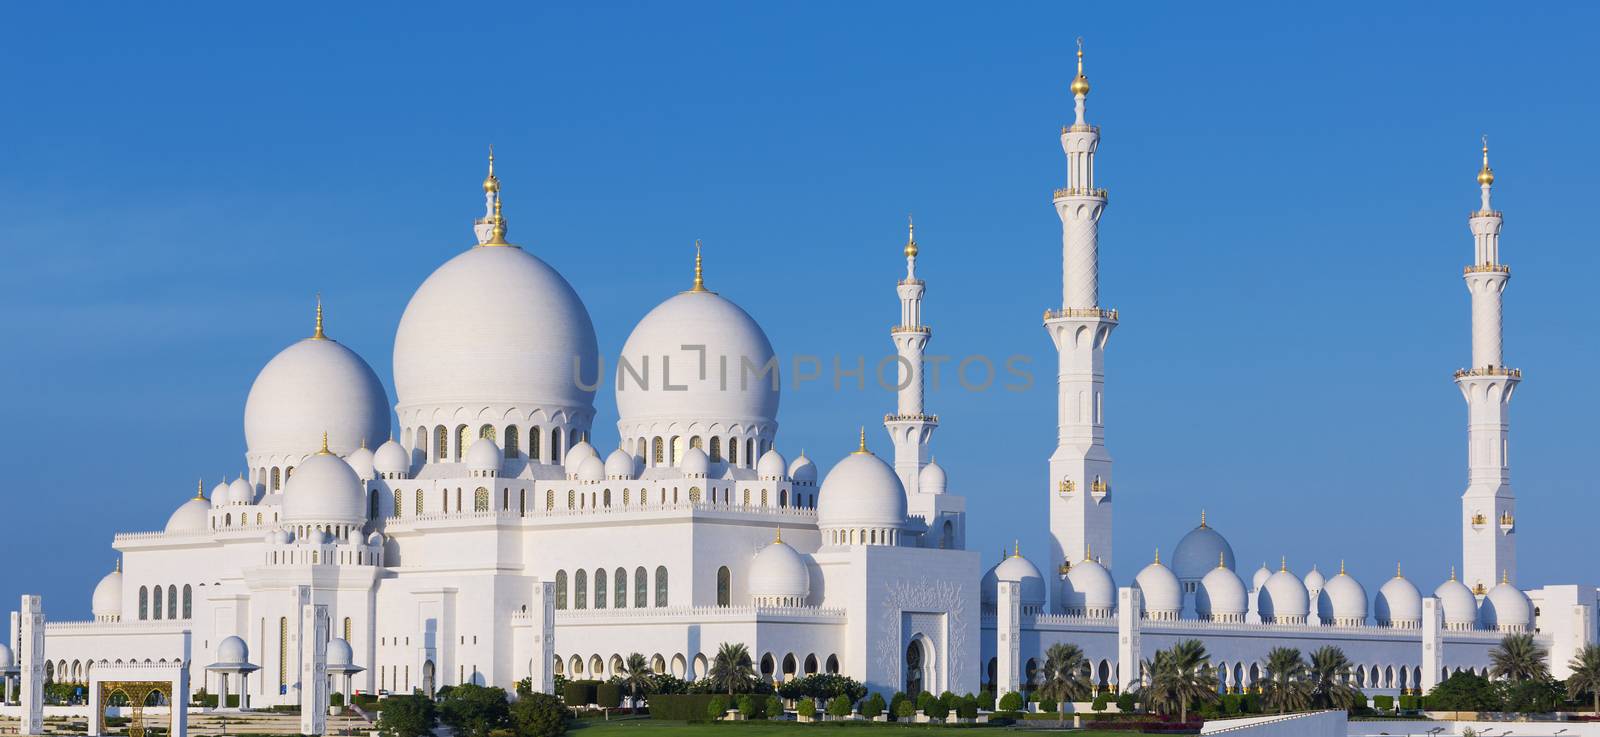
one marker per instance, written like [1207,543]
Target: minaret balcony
[919,329]
[910,282]
[1489,371]
[1080,128]
[918,417]
[1061,192]
[1486,269]
[1484,214]
[1067,312]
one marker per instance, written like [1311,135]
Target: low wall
[1401,728]
[1330,723]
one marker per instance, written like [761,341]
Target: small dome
[802,470]
[1089,587]
[778,572]
[1198,551]
[1221,595]
[107,598]
[324,489]
[931,478]
[314,386]
[1343,600]
[772,465]
[232,650]
[1314,580]
[1398,604]
[392,459]
[861,490]
[621,465]
[1259,578]
[1283,598]
[361,461]
[1018,569]
[339,653]
[591,470]
[192,516]
[697,329]
[1506,608]
[1459,605]
[694,463]
[484,456]
[241,492]
[219,493]
[8,660]
[576,455]
[1160,589]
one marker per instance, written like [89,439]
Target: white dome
[219,493]
[192,516]
[361,461]
[1459,605]
[1314,580]
[313,387]
[576,455]
[8,659]
[621,465]
[324,489]
[339,653]
[392,459]
[1018,569]
[772,465]
[241,492]
[1505,608]
[730,338]
[1089,587]
[1343,600]
[1198,551]
[1259,578]
[232,650]
[1159,588]
[483,456]
[779,572]
[931,478]
[592,469]
[107,598]
[861,491]
[802,470]
[695,463]
[1221,595]
[375,539]
[496,325]
[1283,597]
[1398,604]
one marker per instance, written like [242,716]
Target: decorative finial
[862,447]
[1504,577]
[1283,563]
[1222,559]
[1080,84]
[364,441]
[1452,572]
[497,234]
[1202,518]
[911,237]
[1087,553]
[119,564]
[1341,566]
[699,270]
[491,183]
[200,489]
[1016,548]
[777,536]
[317,334]
[324,451]
[1485,175]
[1397,570]
[1158,555]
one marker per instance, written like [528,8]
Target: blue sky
[1287,225]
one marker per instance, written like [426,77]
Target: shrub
[717,707]
[895,701]
[1383,702]
[806,708]
[1047,705]
[986,700]
[1252,703]
[473,711]
[839,706]
[967,707]
[1127,701]
[936,709]
[407,716]
[539,715]
[579,693]
[1011,701]
[925,700]
[607,695]
[774,707]
[873,706]
[680,707]
[336,699]
[1101,701]
[746,706]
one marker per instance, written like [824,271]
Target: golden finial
[1504,577]
[777,536]
[1486,175]
[1016,548]
[1397,573]
[317,334]
[324,451]
[1202,518]
[491,183]
[1283,563]
[1080,84]
[497,234]
[1341,566]
[364,442]
[1479,589]
[862,447]
[1452,572]
[1222,559]
[200,489]
[1087,554]
[699,270]
[1158,555]
[911,237]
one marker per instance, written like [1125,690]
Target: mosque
[471,533]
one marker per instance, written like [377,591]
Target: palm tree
[1152,689]
[1063,678]
[1585,676]
[1330,678]
[731,669]
[636,675]
[1284,686]
[1519,658]
[1184,676]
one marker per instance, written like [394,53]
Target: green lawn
[653,728]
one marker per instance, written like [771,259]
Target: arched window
[656,454]
[833,664]
[572,499]
[188,601]
[641,588]
[750,451]
[619,585]
[512,441]
[763,497]
[155,611]
[600,588]
[724,587]
[480,500]
[555,445]
[694,495]
[674,450]
[625,497]
[275,478]
[144,602]
[783,497]
[522,503]
[399,503]
[644,450]
[444,500]
[549,499]
[258,518]
[533,444]
[580,589]
[561,589]
[441,444]
[463,439]
[694,442]
[487,431]
[346,629]
[283,654]
[372,506]
[661,586]
[418,506]
[716,449]
[606,495]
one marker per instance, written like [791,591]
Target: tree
[839,707]
[1182,675]
[873,706]
[747,706]
[1533,695]
[774,707]
[731,670]
[1464,692]
[636,675]
[806,708]
[473,711]
[1519,657]
[717,707]
[1064,675]
[906,710]
[407,716]
[1585,678]
[539,715]
[1010,701]
[1330,678]
[1285,686]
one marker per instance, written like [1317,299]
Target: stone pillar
[1129,605]
[314,669]
[180,703]
[1008,640]
[543,609]
[1432,643]
[31,659]
[222,690]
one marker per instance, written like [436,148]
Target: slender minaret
[1488,524]
[1080,467]
[909,427]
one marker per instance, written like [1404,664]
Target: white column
[1008,638]
[180,703]
[31,659]
[314,669]
[1432,643]
[1129,605]
[543,608]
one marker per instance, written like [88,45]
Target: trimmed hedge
[579,693]
[688,707]
[607,695]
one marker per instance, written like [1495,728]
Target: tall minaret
[909,427]
[1080,467]
[1488,523]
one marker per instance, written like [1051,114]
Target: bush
[578,693]
[717,707]
[336,699]
[1459,692]
[806,708]
[839,706]
[607,695]
[1252,703]
[1383,702]
[895,701]
[746,706]
[408,716]
[539,715]
[1126,702]
[986,700]
[774,707]
[680,707]
[936,709]
[473,711]
[1047,705]
[925,701]
[967,707]
[1011,701]
[1101,701]
[873,706]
